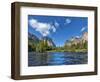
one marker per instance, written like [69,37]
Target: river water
[57,58]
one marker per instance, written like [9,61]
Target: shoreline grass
[69,50]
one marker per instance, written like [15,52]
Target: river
[57,58]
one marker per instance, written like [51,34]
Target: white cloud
[83,29]
[33,22]
[43,28]
[77,36]
[56,24]
[53,29]
[67,21]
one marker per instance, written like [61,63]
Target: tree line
[43,46]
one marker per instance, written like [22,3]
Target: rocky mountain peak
[85,36]
[49,41]
[32,36]
[76,40]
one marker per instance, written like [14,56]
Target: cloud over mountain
[83,28]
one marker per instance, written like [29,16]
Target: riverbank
[69,50]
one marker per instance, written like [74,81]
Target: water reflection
[56,58]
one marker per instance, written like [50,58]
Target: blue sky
[59,28]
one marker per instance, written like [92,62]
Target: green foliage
[43,46]
[79,47]
[29,48]
[85,45]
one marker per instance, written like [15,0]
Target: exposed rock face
[76,40]
[85,37]
[33,39]
[49,41]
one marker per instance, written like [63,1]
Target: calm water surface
[56,58]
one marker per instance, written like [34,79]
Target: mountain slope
[49,41]
[74,40]
[32,42]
